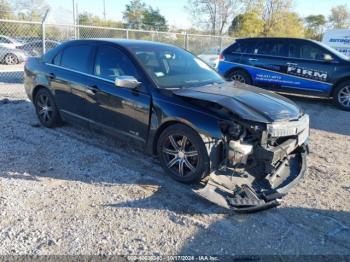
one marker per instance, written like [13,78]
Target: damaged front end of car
[260,162]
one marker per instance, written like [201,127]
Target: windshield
[334,51]
[173,67]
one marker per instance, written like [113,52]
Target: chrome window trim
[82,73]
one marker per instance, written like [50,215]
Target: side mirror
[327,58]
[126,82]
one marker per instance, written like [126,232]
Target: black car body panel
[215,111]
[246,101]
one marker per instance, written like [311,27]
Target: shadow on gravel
[324,114]
[285,230]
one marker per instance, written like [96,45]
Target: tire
[10,59]
[181,148]
[240,76]
[46,109]
[341,95]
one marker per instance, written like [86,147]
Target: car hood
[248,102]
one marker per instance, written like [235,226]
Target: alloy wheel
[344,96]
[10,59]
[238,78]
[181,156]
[44,108]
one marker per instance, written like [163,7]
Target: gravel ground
[71,191]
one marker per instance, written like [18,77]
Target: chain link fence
[22,39]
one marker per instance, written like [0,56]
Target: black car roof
[122,42]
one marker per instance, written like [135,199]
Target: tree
[5,10]
[340,17]
[134,13]
[314,26]
[273,12]
[289,25]
[246,25]
[32,10]
[153,20]
[213,13]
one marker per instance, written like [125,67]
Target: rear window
[76,57]
[235,48]
[247,46]
[272,47]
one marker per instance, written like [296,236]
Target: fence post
[186,40]
[127,33]
[220,44]
[43,32]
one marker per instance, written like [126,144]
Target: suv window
[306,50]
[110,63]
[235,48]
[271,47]
[247,46]
[76,57]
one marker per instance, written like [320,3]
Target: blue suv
[289,65]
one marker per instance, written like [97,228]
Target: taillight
[221,57]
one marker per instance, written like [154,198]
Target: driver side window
[111,63]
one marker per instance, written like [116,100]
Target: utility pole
[74,20]
[104,10]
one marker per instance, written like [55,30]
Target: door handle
[292,64]
[92,90]
[253,59]
[52,76]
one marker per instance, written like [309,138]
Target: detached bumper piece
[245,193]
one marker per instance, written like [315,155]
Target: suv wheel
[240,76]
[11,59]
[183,154]
[46,109]
[341,95]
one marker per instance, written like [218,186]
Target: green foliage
[246,25]
[340,17]
[314,26]
[153,20]
[133,14]
[289,25]
[138,16]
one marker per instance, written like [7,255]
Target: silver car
[11,56]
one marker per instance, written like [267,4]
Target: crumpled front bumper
[244,193]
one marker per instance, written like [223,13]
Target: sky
[173,10]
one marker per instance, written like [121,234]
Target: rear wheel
[240,76]
[341,95]
[11,59]
[183,154]
[46,109]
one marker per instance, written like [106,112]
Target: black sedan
[251,142]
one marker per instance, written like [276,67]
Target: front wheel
[342,95]
[183,154]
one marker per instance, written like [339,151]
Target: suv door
[268,57]
[68,76]
[118,109]
[307,64]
